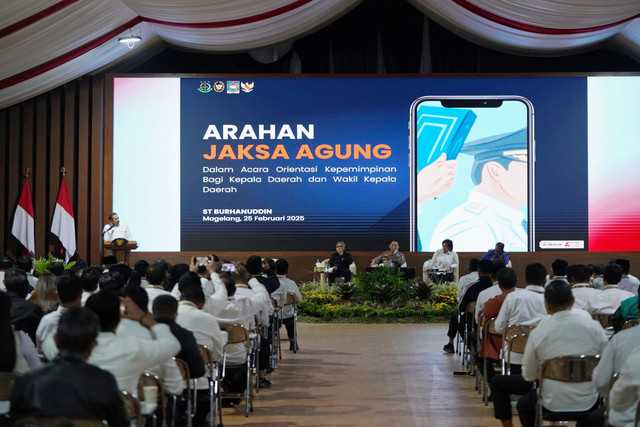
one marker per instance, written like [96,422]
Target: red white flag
[63,224]
[23,220]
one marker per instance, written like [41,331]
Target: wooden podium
[121,248]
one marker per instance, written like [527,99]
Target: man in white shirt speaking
[115,229]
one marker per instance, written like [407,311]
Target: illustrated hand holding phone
[436,178]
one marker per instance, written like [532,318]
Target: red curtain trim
[534,28]
[35,17]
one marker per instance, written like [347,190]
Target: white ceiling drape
[46,43]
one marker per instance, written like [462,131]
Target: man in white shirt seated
[127,357]
[612,360]
[89,279]
[525,307]
[69,294]
[207,332]
[560,334]
[167,371]
[156,276]
[115,229]
[627,282]
[466,280]
[290,287]
[241,310]
[578,276]
[490,292]
[558,270]
[608,300]
[625,393]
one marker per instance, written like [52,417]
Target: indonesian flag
[63,224]
[23,220]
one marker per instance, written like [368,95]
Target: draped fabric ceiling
[46,43]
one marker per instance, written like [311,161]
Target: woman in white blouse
[443,262]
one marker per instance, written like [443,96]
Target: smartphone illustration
[472,173]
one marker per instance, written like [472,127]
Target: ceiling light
[129,39]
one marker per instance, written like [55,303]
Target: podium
[121,248]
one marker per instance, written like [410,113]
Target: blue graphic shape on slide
[441,130]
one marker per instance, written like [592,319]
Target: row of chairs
[575,368]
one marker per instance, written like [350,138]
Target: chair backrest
[186,374]
[490,326]
[7,381]
[147,379]
[515,339]
[291,299]
[577,368]
[352,268]
[471,307]
[274,303]
[514,330]
[235,333]
[132,406]
[631,323]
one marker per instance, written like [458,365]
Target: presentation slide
[295,164]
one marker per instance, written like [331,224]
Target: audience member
[625,393]
[484,282]
[126,357]
[627,282]
[156,276]
[596,281]
[70,295]
[45,293]
[290,287]
[608,300]
[579,280]
[612,361]
[507,280]
[206,330]
[628,310]
[122,269]
[165,310]
[5,264]
[25,315]
[25,263]
[89,278]
[18,352]
[560,334]
[69,386]
[558,270]
[466,280]
[141,267]
[491,291]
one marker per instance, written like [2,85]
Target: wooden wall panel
[4,167]
[40,172]
[95,177]
[82,212]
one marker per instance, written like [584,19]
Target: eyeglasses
[339,246]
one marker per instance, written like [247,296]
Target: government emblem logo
[218,86]
[247,87]
[205,87]
[233,86]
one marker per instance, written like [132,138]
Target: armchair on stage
[428,273]
[121,248]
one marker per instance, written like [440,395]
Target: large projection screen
[280,163]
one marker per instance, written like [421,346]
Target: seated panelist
[443,262]
[339,263]
[390,258]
